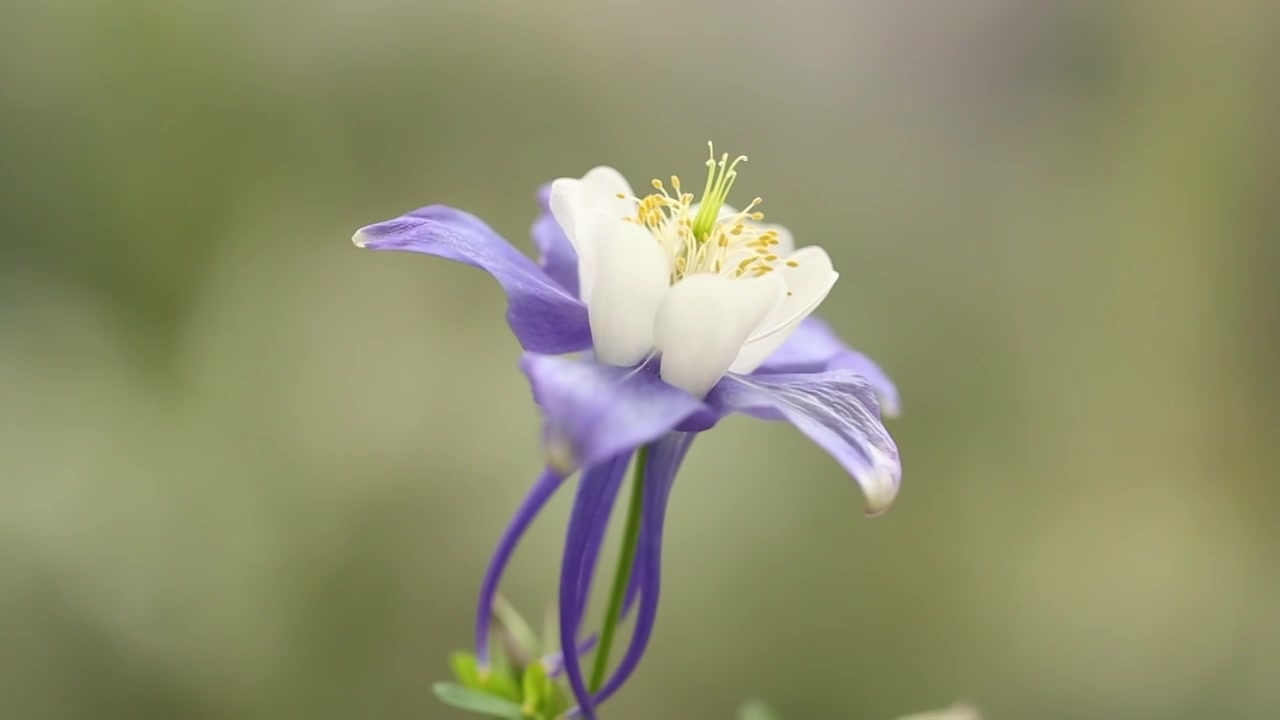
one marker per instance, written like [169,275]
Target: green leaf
[959,711]
[501,680]
[464,668]
[757,710]
[518,629]
[557,701]
[534,688]
[478,702]
[543,698]
[498,680]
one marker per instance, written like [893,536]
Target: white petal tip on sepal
[888,408]
[360,240]
[881,484]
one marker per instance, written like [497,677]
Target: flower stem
[622,576]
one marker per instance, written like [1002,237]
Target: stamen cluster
[702,239]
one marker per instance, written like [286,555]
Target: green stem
[622,576]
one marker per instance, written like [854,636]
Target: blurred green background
[251,472]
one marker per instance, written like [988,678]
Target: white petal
[703,322]
[632,274]
[573,204]
[809,282]
[607,183]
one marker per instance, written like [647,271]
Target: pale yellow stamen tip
[620,196]
[792,263]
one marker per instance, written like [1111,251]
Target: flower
[689,311]
[707,287]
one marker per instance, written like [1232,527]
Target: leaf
[558,702]
[959,711]
[464,668]
[757,710]
[498,680]
[465,698]
[518,629]
[501,680]
[534,688]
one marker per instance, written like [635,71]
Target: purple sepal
[838,410]
[665,457]
[543,315]
[608,476]
[543,488]
[595,412]
[554,663]
[555,253]
[704,419]
[814,347]
[591,500]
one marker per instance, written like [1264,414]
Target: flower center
[705,238]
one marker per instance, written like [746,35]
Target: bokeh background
[247,471]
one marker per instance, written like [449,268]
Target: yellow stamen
[706,238]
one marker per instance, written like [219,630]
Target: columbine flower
[690,310]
